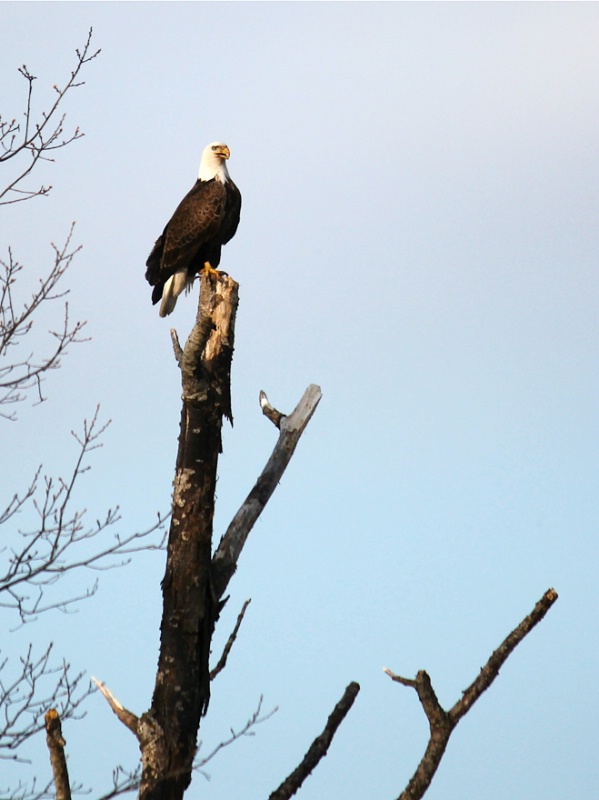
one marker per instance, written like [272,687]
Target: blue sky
[419,237]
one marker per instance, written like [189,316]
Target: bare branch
[491,669]
[33,141]
[126,717]
[60,541]
[123,781]
[19,501]
[224,562]
[29,691]
[246,730]
[443,722]
[21,374]
[269,411]
[24,791]
[319,747]
[230,641]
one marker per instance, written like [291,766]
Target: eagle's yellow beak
[225,152]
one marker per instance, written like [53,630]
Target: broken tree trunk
[56,743]
[168,731]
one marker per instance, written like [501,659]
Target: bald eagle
[204,220]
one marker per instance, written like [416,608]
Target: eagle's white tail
[172,289]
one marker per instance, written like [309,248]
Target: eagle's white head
[213,163]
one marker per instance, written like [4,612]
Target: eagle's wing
[154,259]
[232,214]
[196,220]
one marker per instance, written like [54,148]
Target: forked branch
[21,372]
[35,560]
[224,562]
[28,687]
[443,722]
[35,139]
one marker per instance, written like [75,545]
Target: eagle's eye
[215,147]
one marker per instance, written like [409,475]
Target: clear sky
[419,237]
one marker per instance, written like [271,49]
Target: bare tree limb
[56,743]
[224,562]
[59,542]
[35,139]
[230,641]
[28,791]
[269,411]
[491,669]
[443,722]
[20,373]
[123,781]
[319,747]
[27,691]
[255,719]
[126,717]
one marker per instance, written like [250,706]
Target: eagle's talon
[208,271]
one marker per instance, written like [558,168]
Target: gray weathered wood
[224,562]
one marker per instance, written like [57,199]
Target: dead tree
[168,730]
[197,577]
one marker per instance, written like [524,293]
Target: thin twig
[246,730]
[58,543]
[35,686]
[39,138]
[22,373]
[230,641]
